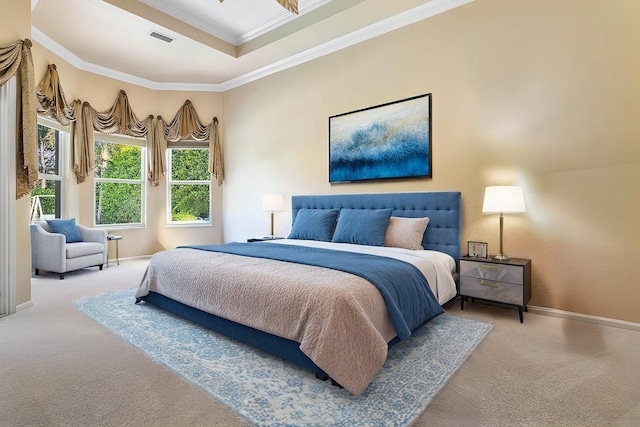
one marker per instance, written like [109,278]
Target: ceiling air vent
[162,37]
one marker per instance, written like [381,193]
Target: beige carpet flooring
[60,368]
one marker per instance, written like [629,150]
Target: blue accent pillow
[314,224]
[66,227]
[362,226]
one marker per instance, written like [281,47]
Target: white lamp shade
[272,202]
[503,199]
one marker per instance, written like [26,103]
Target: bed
[329,297]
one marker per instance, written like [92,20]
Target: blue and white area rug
[268,391]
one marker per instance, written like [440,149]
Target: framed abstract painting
[391,140]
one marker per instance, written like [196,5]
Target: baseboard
[24,305]
[139,257]
[30,303]
[113,261]
[604,321]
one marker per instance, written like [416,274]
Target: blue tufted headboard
[443,209]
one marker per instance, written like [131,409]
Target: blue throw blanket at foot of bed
[404,288]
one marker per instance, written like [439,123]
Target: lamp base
[501,257]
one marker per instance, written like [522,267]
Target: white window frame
[186,145]
[64,143]
[124,140]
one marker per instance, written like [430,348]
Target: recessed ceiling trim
[195,21]
[403,19]
[53,46]
[400,20]
[190,19]
[171,23]
[281,19]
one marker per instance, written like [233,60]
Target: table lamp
[503,199]
[272,203]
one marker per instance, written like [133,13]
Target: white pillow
[405,233]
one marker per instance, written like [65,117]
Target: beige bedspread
[339,319]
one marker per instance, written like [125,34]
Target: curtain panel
[120,118]
[187,125]
[16,59]
[52,103]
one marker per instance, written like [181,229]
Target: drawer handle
[490,284]
[489,266]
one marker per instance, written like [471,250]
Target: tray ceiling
[215,46]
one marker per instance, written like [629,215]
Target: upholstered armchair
[66,247]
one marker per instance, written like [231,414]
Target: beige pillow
[405,232]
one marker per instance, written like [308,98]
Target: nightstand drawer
[492,271]
[491,290]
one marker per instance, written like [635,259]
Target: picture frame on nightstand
[478,249]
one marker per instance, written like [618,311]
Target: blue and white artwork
[387,141]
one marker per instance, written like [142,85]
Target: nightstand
[263,239]
[504,282]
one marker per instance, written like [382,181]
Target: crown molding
[197,22]
[53,46]
[393,23]
[282,18]
[194,21]
[403,19]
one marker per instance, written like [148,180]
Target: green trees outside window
[119,183]
[189,185]
[46,196]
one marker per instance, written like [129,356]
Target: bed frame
[442,234]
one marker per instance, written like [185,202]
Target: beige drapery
[290,5]
[53,103]
[13,58]
[187,125]
[121,119]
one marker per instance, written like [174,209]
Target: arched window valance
[16,58]
[121,118]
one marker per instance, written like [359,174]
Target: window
[189,187]
[46,198]
[119,186]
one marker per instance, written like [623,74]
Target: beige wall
[543,94]
[15,24]
[538,93]
[15,21]
[101,93]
